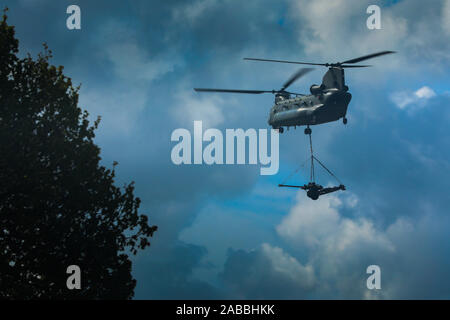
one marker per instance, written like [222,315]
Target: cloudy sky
[226,231]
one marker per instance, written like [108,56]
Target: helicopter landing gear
[280,129]
[308,130]
[344,120]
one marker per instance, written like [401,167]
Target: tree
[58,205]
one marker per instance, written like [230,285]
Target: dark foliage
[58,205]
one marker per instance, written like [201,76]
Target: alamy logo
[74,20]
[374,280]
[374,20]
[74,280]
[235,141]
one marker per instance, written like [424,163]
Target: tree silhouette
[58,205]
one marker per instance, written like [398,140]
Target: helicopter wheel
[344,120]
[280,129]
[308,130]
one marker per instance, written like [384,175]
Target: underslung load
[313,190]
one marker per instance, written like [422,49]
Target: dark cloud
[167,274]
[266,273]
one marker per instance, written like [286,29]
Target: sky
[225,231]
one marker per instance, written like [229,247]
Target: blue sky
[226,231]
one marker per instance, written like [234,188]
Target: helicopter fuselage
[327,106]
[327,102]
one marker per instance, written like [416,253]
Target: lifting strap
[312,175]
[311,158]
[328,170]
[295,171]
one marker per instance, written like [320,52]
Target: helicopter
[327,102]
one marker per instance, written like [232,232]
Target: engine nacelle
[316,89]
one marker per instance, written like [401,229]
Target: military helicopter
[327,102]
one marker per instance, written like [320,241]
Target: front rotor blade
[369,56]
[300,73]
[231,91]
[284,61]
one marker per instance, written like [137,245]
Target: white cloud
[318,224]
[337,248]
[337,30]
[190,107]
[425,93]
[310,221]
[403,99]
[339,26]
[287,265]
[132,64]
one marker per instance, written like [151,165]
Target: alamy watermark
[238,144]
[374,20]
[74,280]
[73,22]
[374,280]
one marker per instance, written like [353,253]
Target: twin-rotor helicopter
[327,102]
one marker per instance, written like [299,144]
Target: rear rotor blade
[231,91]
[369,56]
[300,73]
[284,61]
[354,66]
